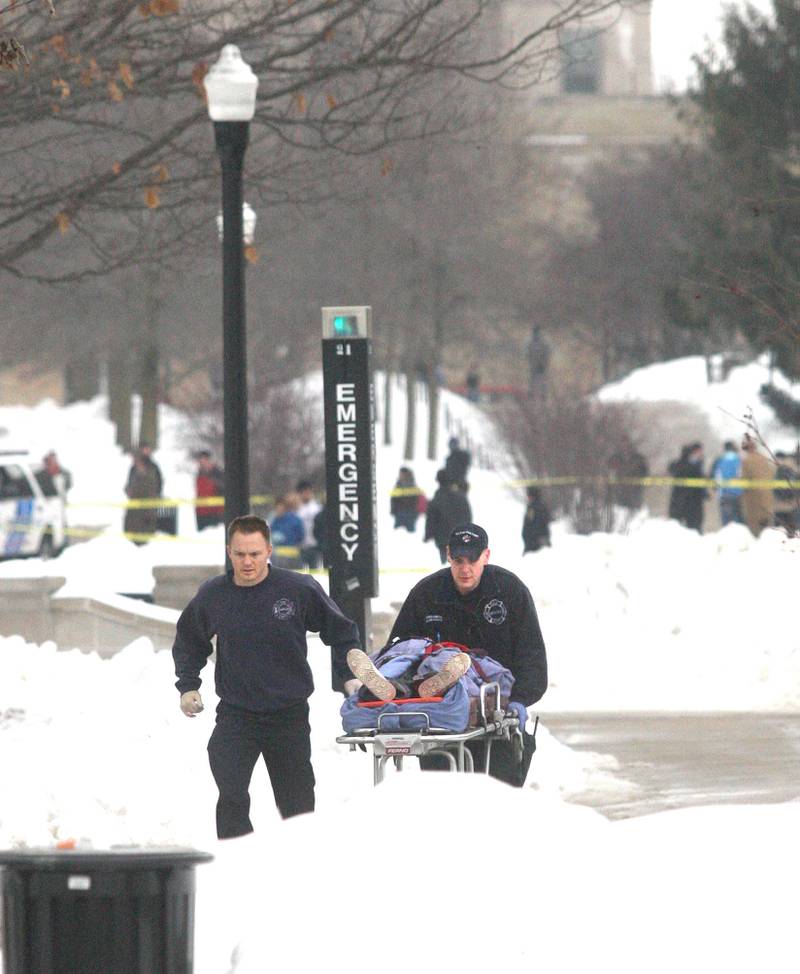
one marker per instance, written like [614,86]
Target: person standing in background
[146,452]
[536,523]
[209,481]
[404,502]
[307,512]
[143,484]
[53,478]
[457,463]
[758,503]
[728,466]
[447,508]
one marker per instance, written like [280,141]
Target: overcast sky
[680,28]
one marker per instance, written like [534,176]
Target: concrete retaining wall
[107,625]
[31,608]
[176,585]
[25,607]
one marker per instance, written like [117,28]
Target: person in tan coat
[758,503]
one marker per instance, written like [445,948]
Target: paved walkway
[676,761]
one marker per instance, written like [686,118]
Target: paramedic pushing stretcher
[260,615]
[489,609]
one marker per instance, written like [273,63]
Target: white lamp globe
[231,87]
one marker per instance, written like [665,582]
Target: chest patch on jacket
[283,609]
[434,619]
[495,612]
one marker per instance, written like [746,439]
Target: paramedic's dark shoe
[449,674]
[364,669]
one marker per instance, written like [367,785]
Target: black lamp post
[231,89]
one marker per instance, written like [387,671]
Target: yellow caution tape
[151,502]
[652,482]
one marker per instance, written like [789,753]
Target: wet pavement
[666,761]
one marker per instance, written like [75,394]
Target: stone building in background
[595,104]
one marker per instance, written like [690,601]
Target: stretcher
[491,725]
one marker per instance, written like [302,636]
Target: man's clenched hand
[191,703]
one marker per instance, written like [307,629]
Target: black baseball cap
[468,540]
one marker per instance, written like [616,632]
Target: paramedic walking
[485,608]
[260,615]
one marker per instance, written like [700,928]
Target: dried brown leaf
[114,91]
[300,102]
[160,173]
[251,254]
[126,73]
[63,222]
[152,197]
[331,100]
[162,8]
[199,71]
[61,87]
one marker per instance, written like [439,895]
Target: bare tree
[109,116]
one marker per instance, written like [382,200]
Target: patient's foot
[449,674]
[364,669]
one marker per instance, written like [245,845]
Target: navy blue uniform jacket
[498,617]
[262,663]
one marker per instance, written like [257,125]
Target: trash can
[118,911]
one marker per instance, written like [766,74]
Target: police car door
[21,513]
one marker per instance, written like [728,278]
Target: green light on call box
[349,322]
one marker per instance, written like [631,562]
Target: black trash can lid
[121,857]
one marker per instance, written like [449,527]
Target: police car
[32,511]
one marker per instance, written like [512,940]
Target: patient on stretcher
[414,677]
[403,677]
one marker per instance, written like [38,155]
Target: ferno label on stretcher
[396,745]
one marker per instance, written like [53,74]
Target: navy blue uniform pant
[283,739]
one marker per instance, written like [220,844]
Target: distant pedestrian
[307,511]
[787,499]
[538,361]
[536,523]
[142,484]
[286,528]
[54,479]
[405,500]
[447,508]
[758,503]
[686,500]
[728,466]
[677,494]
[209,481]
[695,502]
[146,450]
[457,463]
[473,384]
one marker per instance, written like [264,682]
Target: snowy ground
[660,618]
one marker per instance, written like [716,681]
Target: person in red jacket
[209,482]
